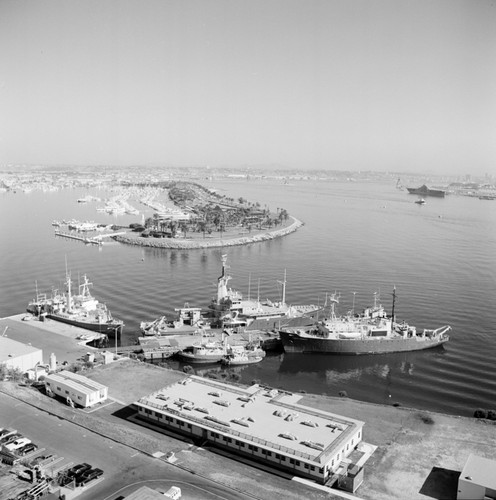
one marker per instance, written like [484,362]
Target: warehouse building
[478,479]
[75,388]
[16,355]
[263,424]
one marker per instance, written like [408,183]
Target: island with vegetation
[196,217]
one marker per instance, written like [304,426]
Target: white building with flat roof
[477,480]
[266,425]
[16,355]
[82,391]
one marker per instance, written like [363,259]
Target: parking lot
[64,445]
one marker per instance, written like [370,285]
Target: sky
[386,85]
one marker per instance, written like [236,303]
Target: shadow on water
[441,484]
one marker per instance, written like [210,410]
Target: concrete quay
[50,336]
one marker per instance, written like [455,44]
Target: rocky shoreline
[193,243]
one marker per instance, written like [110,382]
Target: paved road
[125,468]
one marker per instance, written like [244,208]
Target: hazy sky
[339,84]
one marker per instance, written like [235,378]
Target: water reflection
[338,368]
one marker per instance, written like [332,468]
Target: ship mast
[283,283]
[394,300]
[69,296]
[222,281]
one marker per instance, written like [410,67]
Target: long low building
[82,391]
[264,424]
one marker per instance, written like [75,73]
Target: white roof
[480,471]
[11,349]
[256,415]
[75,381]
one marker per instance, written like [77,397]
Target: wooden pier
[93,240]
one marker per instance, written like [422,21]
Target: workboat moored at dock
[81,310]
[371,332]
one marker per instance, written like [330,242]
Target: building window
[242,445]
[306,466]
[297,463]
[269,453]
[278,457]
[291,461]
[157,414]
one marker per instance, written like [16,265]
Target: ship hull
[108,329]
[373,345]
[425,191]
[200,360]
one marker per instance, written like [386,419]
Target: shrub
[491,414]
[236,377]
[188,369]
[343,394]
[255,381]
[480,413]
[427,419]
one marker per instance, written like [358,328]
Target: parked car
[88,476]
[18,443]
[8,438]
[28,448]
[77,470]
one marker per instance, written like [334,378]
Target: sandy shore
[197,240]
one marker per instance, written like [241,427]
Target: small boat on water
[371,332]
[203,353]
[81,310]
[243,355]
[420,201]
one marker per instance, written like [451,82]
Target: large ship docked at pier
[81,310]
[229,310]
[371,332]
[425,191]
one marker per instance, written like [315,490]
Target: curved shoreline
[186,244]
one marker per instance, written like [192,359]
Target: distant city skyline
[380,85]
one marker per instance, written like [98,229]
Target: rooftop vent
[222,402]
[286,435]
[312,444]
[309,423]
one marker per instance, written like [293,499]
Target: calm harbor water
[357,237]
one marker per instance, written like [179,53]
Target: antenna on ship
[353,308]
[249,285]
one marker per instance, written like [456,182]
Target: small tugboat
[243,355]
[420,201]
[371,332]
[204,353]
[81,310]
